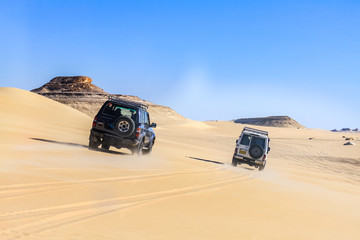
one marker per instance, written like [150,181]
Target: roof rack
[127,102]
[256,131]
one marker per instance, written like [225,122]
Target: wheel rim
[123,126]
[256,152]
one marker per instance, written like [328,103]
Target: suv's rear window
[258,141]
[117,111]
[245,140]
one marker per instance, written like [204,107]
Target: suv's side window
[142,116]
[146,120]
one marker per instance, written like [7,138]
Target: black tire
[92,143]
[139,149]
[124,126]
[261,167]
[149,148]
[234,162]
[256,152]
[105,146]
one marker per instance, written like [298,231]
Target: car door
[244,144]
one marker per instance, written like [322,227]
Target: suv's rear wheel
[234,162]
[139,149]
[105,146]
[261,167]
[149,148]
[124,126]
[92,143]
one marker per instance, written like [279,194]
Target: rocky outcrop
[69,84]
[79,92]
[272,121]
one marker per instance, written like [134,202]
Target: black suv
[123,124]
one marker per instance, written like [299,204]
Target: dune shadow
[205,160]
[78,145]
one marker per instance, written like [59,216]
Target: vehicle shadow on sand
[220,163]
[78,145]
[205,160]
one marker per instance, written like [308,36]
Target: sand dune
[53,187]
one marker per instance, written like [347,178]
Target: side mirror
[237,140]
[268,149]
[153,125]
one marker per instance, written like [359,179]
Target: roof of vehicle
[256,131]
[116,99]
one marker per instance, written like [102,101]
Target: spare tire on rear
[256,151]
[124,126]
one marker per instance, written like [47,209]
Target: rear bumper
[249,161]
[113,140]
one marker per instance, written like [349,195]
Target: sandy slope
[53,187]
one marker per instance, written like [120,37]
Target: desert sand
[53,187]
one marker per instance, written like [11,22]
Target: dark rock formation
[273,121]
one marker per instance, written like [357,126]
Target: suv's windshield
[258,141]
[117,110]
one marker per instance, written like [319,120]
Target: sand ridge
[53,187]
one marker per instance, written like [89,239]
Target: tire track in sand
[19,190]
[61,215]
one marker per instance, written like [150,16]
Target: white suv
[252,148]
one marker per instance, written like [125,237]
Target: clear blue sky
[206,59]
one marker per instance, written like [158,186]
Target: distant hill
[349,130]
[272,121]
[80,93]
